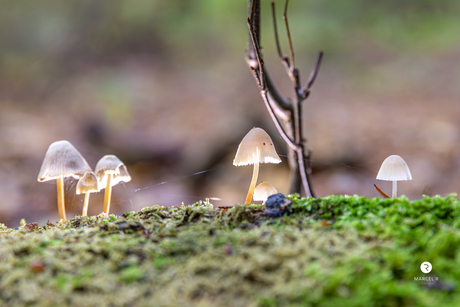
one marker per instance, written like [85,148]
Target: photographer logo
[426,267]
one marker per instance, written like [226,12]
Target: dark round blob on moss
[276,205]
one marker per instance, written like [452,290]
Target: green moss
[338,250]
[131,274]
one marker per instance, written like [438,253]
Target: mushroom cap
[394,168]
[263,190]
[62,159]
[256,147]
[87,183]
[110,164]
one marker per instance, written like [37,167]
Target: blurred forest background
[164,86]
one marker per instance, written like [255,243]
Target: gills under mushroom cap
[394,168]
[256,147]
[87,184]
[62,159]
[110,164]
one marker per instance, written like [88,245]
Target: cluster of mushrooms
[63,160]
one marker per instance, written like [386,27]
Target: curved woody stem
[278,106]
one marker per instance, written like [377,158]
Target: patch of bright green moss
[338,250]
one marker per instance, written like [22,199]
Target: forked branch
[288,33]
[260,78]
[279,107]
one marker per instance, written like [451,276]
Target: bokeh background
[164,86]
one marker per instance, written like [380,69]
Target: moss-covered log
[334,251]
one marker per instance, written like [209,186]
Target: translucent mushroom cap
[87,183]
[110,164]
[263,190]
[256,147]
[62,159]
[394,168]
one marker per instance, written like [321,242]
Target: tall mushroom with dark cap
[394,169]
[87,184]
[62,160]
[109,172]
[256,147]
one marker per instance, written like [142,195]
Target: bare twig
[279,100]
[281,105]
[260,73]
[305,91]
[385,195]
[290,111]
[288,33]
[283,58]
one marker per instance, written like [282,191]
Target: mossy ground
[333,251]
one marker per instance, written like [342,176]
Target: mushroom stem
[60,197]
[85,204]
[255,174]
[108,194]
[395,189]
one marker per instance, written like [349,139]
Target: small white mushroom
[256,147]
[62,160]
[109,172]
[87,184]
[394,169]
[263,190]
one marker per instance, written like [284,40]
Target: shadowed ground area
[163,85]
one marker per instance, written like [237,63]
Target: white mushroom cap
[394,168]
[87,183]
[62,159]
[110,164]
[256,147]
[263,190]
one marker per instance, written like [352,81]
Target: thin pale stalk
[108,194]
[395,189]
[255,174]
[85,204]
[60,198]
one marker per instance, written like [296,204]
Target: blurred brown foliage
[163,85]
